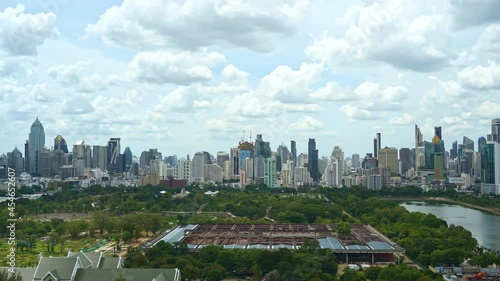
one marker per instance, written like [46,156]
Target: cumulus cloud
[22,33]
[481,77]
[402,120]
[191,24]
[182,68]
[331,91]
[306,123]
[384,33]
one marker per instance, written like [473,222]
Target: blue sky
[185,76]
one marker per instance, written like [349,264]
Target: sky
[185,76]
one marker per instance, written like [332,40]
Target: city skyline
[336,72]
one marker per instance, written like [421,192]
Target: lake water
[485,227]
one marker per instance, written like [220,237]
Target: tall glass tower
[36,144]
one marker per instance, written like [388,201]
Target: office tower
[454,150]
[113,152]
[293,147]
[282,156]
[262,148]
[437,133]
[355,161]
[419,149]
[375,147]
[235,162]
[59,159]
[222,157]
[468,143]
[419,138]
[460,150]
[45,163]
[36,144]
[15,161]
[495,131]
[312,160]
[388,157]
[259,168]
[245,151]
[379,141]
[480,142]
[213,173]
[248,166]
[4,163]
[199,161]
[100,157]
[405,158]
[60,144]
[147,156]
[490,168]
[120,164]
[26,157]
[270,173]
[82,151]
[369,162]
[127,154]
[172,160]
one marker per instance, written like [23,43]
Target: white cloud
[22,33]
[487,109]
[405,119]
[306,123]
[182,68]
[352,112]
[193,24]
[481,77]
[383,32]
[68,75]
[232,74]
[331,92]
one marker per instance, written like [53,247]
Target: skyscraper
[60,144]
[469,143]
[437,133]
[312,160]
[270,173]
[15,161]
[454,150]
[375,147]
[490,168]
[405,158]
[127,154]
[480,142]
[199,161]
[388,157]
[82,151]
[495,130]
[355,161]
[293,147]
[222,156]
[113,152]
[262,148]
[379,141]
[36,144]
[100,157]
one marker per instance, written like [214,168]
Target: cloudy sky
[185,76]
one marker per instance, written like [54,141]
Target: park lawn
[30,258]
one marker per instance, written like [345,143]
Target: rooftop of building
[361,239]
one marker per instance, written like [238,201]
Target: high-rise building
[405,158]
[127,154]
[419,138]
[379,141]
[437,133]
[113,152]
[171,160]
[468,143]
[480,142]
[388,157]
[15,161]
[245,151]
[375,147]
[36,144]
[293,147]
[262,148]
[100,157]
[235,162]
[60,144]
[312,160]
[27,157]
[454,150]
[259,168]
[199,161]
[282,156]
[490,168]
[355,161]
[222,156]
[82,151]
[270,173]
[495,131]
[419,149]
